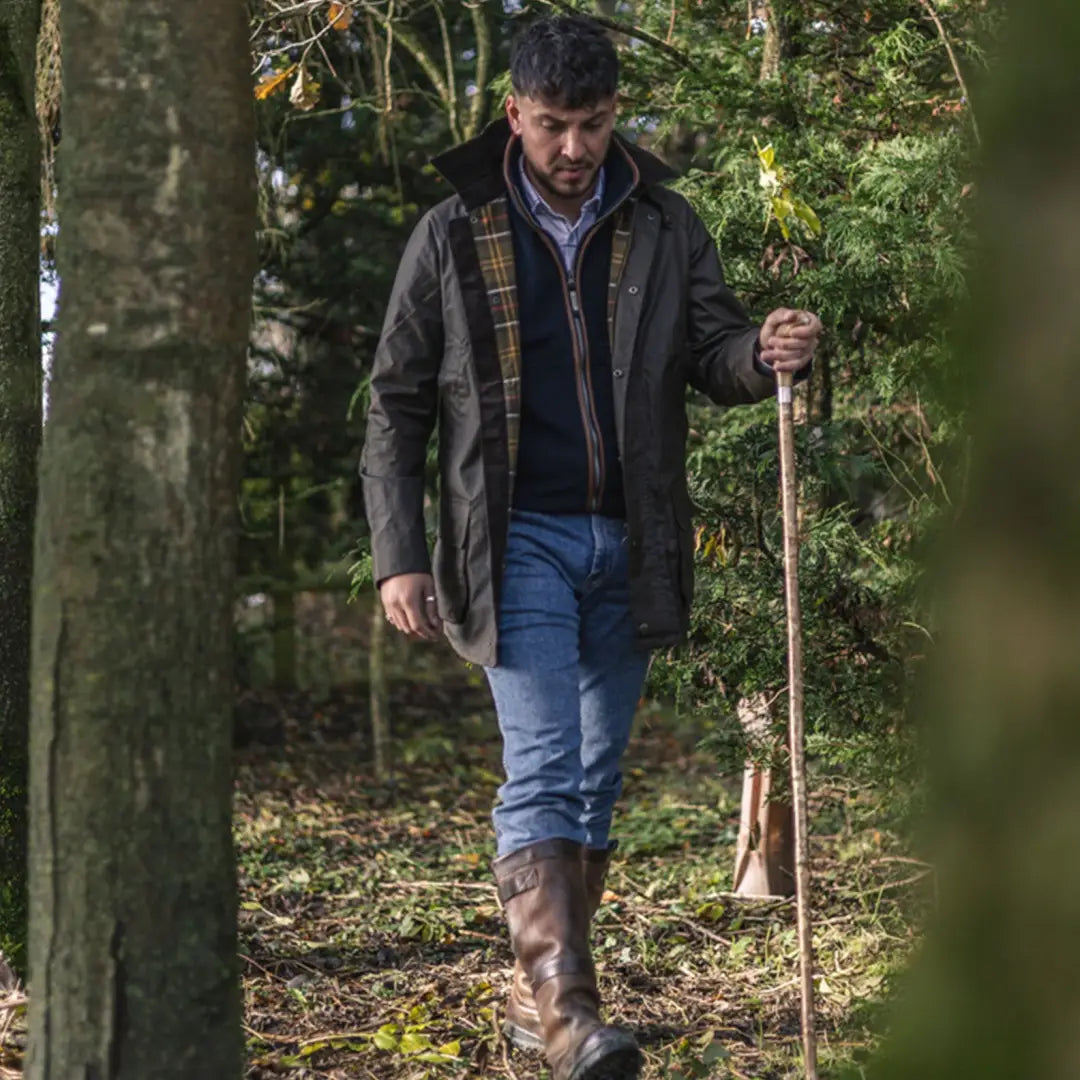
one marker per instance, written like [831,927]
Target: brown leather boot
[522,1025]
[542,889]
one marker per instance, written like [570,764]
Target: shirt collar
[538,203]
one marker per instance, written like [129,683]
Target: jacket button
[618,373]
[643,627]
[633,290]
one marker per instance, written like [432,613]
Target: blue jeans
[568,678]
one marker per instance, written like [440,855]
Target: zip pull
[571,288]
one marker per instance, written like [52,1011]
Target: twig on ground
[439,885]
[888,886]
[504,1042]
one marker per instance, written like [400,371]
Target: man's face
[564,147]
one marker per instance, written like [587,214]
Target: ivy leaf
[384,1041]
[714,1052]
[413,1042]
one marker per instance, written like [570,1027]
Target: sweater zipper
[592,421]
[592,424]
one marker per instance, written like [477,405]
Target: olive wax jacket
[450,354]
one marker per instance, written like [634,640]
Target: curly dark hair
[566,60]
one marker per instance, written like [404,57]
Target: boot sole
[522,1039]
[621,1061]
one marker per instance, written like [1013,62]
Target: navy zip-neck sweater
[568,455]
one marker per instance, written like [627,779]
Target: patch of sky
[49,291]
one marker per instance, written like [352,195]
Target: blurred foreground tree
[133,970]
[20,435]
[998,993]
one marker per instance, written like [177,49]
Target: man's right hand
[410,605]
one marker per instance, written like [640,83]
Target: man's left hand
[789,338]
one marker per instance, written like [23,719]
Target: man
[549,317]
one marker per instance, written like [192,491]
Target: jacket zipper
[592,420]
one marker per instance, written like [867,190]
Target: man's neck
[569,208]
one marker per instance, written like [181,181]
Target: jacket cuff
[395,514]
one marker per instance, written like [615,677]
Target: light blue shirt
[567,235]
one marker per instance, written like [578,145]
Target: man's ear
[513,114]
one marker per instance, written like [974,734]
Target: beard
[557,181]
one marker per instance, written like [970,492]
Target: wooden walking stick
[796,730]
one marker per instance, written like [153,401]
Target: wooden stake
[796,727]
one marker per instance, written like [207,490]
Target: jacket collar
[475,169]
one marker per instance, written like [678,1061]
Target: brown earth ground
[373,946]
[371,942]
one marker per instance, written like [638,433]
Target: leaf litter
[372,944]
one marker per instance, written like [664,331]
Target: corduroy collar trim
[476,169]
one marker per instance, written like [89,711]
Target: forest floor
[372,945]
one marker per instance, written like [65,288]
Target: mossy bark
[20,435]
[133,967]
[997,995]
[777,35]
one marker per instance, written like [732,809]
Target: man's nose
[572,145]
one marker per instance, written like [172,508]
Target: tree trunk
[380,703]
[284,602]
[133,969]
[998,994]
[20,435]
[776,38]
